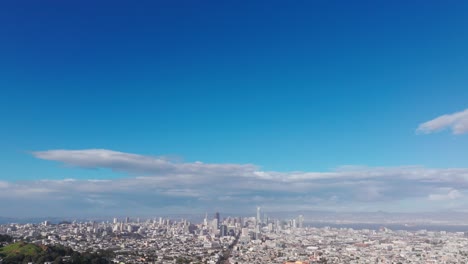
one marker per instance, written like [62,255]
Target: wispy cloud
[457,122]
[445,194]
[157,184]
[138,164]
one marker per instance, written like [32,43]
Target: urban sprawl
[244,240]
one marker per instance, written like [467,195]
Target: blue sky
[301,86]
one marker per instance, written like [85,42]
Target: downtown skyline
[112,108]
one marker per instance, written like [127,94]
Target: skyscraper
[205,221]
[257,224]
[217,218]
[258,215]
[301,221]
[223,230]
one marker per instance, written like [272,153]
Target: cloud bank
[457,122]
[155,185]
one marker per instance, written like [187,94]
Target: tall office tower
[217,218]
[257,224]
[205,221]
[127,220]
[258,215]
[301,221]
[223,231]
[115,220]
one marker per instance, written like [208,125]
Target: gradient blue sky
[306,86]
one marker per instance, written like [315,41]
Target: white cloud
[154,183]
[4,185]
[446,194]
[138,164]
[457,122]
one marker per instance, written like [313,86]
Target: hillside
[22,252]
[20,248]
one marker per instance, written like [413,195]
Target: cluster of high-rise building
[245,240]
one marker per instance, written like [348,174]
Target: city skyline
[237,240]
[113,108]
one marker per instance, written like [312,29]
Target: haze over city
[112,108]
